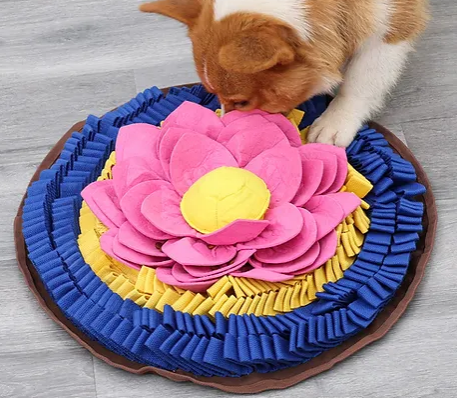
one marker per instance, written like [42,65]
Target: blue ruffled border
[241,344]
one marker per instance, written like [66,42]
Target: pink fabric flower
[155,167]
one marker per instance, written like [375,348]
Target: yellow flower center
[222,196]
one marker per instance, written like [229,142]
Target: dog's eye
[241,104]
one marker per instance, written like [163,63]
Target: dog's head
[250,60]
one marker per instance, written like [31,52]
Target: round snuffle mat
[234,331]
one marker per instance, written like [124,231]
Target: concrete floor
[60,61]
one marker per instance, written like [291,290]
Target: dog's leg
[369,76]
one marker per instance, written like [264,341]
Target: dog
[275,54]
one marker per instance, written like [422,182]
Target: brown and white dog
[275,54]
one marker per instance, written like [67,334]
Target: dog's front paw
[334,128]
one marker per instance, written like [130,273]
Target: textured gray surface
[60,61]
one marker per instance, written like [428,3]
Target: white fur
[382,14]
[370,75]
[292,12]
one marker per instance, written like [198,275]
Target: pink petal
[131,256]
[263,275]
[184,276]
[247,138]
[190,251]
[106,243]
[206,273]
[294,248]
[313,171]
[131,172]
[138,140]
[327,250]
[331,210]
[162,209]
[233,116]
[211,273]
[281,121]
[348,201]
[195,117]
[131,207]
[342,164]
[194,156]
[102,200]
[310,152]
[165,276]
[251,121]
[328,213]
[286,222]
[236,232]
[255,263]
[296,266]
[168,143]
[314,258]
[287,128]
[88,194]
[281,169]
[135,240]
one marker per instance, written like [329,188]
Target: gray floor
[61,60]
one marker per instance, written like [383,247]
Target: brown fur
[256,61]
[408,21]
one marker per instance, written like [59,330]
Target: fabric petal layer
[295,247]
[101,198]
[247,138]
[238,231]
[286,223]
[161,209]
[194,156]
[131,237]
[139,140]
[191,251]
[280,168]
[131,207]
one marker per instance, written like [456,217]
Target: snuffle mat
[223,250]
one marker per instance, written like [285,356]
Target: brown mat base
[255,382]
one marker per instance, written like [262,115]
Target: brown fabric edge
[253,383]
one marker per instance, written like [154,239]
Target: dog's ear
[185,11]
[255,51]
